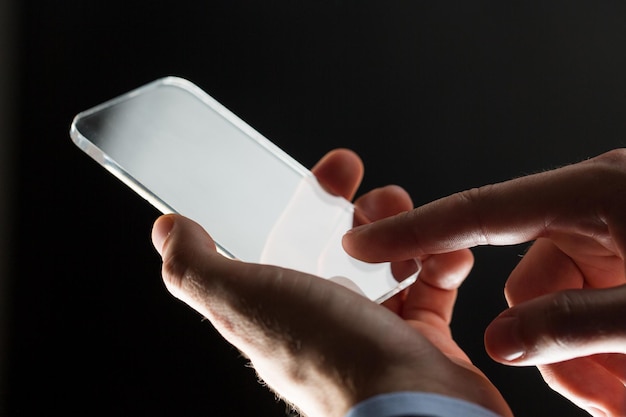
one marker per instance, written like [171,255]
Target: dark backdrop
[436,96]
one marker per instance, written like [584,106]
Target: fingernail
[504,339]
[160,231]
[357,229]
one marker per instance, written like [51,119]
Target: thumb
[560,326]
[231,294]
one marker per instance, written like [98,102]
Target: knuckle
[585,318]
[608,170]
[615,157]
[559,316]
[176,268]
[474,200]
[571,321]
[414,235]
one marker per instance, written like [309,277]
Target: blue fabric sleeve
[417,404]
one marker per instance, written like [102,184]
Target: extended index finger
[579,198]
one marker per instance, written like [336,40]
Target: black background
[436,96]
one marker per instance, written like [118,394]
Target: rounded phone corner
[404,284]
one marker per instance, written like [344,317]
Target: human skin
[568,293]
[320,346]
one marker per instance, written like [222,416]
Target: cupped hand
[320,346]
[567,295]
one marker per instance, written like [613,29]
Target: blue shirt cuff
[417,404]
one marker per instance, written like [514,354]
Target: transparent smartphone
[186,153]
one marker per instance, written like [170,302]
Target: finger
[340,172]
[604,396]
[381,203]
[378,204]
[431,299]
[429,303]
[614,363]
[512,212]
[560,326]
[543,269]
